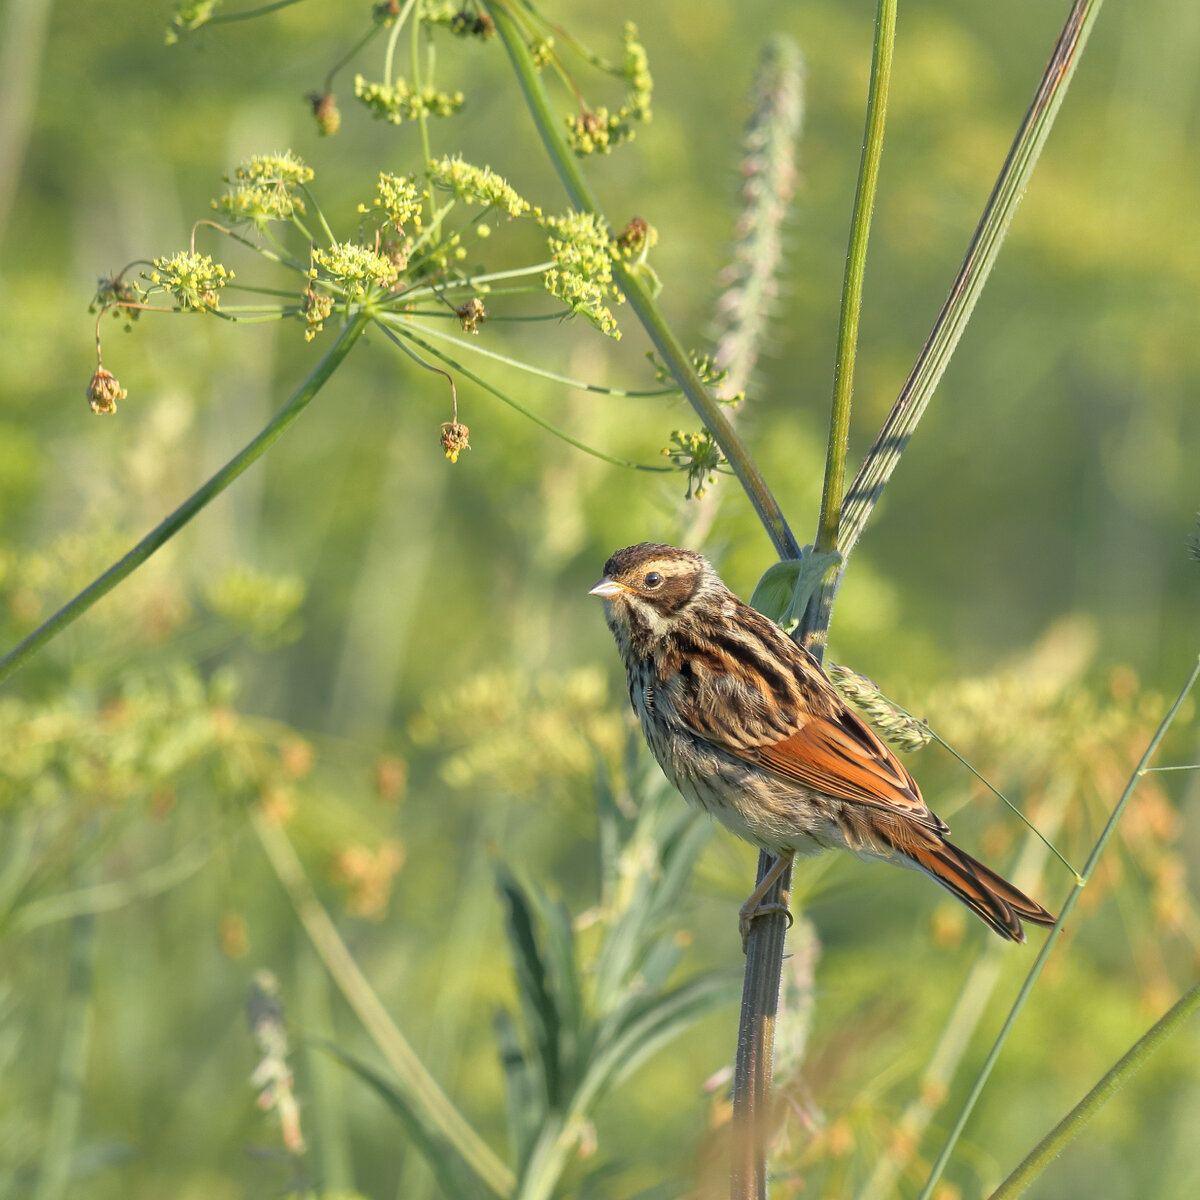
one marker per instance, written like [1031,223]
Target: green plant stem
[423,1090]
[250,13]
[1043,955]
[951,321]
[1053,1144]
[852,283]
[167,529]
[403,321]
[583,199]
[62,1127]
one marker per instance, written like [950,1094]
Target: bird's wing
[837,754]
[797,727]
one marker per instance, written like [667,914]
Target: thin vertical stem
[852,283]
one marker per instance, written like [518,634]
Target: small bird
[746,725]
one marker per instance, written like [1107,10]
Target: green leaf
[784,591]
[524,1100]
[538,1003]
[651,1027]
[455,1175]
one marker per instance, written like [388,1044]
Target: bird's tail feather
[1001,905]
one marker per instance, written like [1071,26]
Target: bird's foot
[748,913]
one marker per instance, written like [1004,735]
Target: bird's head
[648,586]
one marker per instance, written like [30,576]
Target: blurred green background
[398,655]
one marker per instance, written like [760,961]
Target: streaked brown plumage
[746,725]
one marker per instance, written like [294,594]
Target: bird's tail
[985,893]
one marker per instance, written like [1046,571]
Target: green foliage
[451,692]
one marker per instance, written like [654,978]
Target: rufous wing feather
[838,755]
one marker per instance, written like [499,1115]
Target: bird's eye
[653,580]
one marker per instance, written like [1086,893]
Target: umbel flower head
[353,267]
[399,102]
[582,273]
[328,115]
[193,279]
[263,188]
[476,185]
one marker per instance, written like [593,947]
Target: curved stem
[583,198]
[168,528]
[1053,1144]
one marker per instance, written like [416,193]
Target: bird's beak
[608,588]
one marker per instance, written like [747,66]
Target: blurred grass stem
[412,1076]
[62,1129]
[1068,907]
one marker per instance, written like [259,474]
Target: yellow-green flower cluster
[476,185]
[398,102]
[598,130]
[699,455]
[193,279]
[399,198]
[263,189]
[354,268]
[189,15]
[638,80]
[541,50]
[711,374]
[582,273]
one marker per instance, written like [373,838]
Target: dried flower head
[193,279]
[273,1076]
[121,295]
[637,237]
[327,113]
[472,315]
[455,439]
[314,308]
[103,392]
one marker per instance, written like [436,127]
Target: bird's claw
[746,917]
